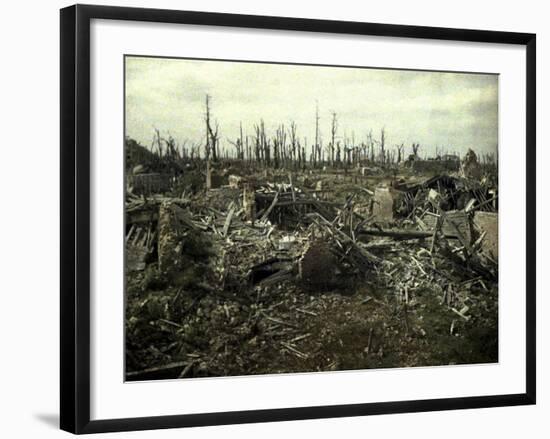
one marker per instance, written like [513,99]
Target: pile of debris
[266,282]
[286,204]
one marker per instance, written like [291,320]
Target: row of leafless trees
[285,149]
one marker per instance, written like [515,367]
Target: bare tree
[157,140]
[212,136]
[316,151]
[400,149]
[294,143]
[239,143]
[333,130]
[258,139]
[371,146]
[383,145]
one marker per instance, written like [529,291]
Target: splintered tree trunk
[211,135]
[208,175]
[333,130]
[316,155]
[382,146]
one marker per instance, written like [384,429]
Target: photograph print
[289,218]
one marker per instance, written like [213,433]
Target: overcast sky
[449,110]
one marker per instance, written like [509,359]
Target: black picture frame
[75,217]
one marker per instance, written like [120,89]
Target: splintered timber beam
[402,234]
[345,238]
[228,221]
[305,202]
[270,208]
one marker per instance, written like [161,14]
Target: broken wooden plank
[270,208]
[280,322]
[228,221]
[295,351]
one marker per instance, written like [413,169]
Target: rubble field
[232,269]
